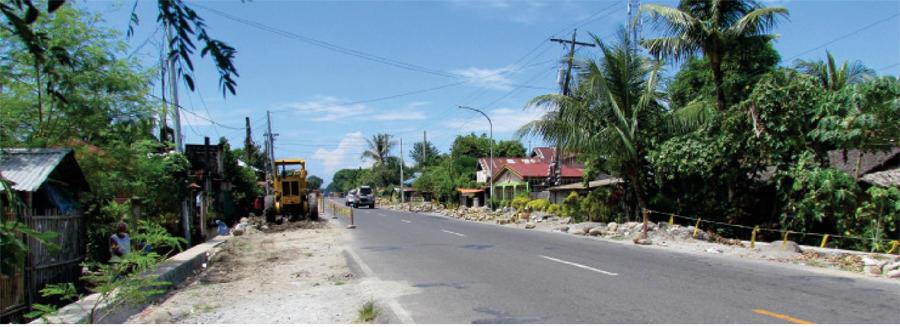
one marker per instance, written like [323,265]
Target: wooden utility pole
[556,175]
[248,140]
[402,191]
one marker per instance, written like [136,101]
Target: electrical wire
[854,32]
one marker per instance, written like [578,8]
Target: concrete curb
[396,313]
[174,270]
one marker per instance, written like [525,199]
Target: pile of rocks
[882,266]
[249,225]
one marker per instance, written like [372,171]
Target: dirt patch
[290,273]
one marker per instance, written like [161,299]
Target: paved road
[476,273]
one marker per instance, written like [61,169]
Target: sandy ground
[291,273]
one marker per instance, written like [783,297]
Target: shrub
[539,204]
[572,206]
[554,209]
[504,203]
[594,207]
[519,202]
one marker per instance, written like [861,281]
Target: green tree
[379,149]
[425,154]
[345,180]
[509,148]
[104,94]
[741,68]
[611,114]
[21,17]
[471,145]
[712,27]
[833,77]
[313,182]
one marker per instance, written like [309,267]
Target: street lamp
[491,163]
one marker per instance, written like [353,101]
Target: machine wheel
[372,206]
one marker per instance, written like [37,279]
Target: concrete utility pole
[179,142]
[634,23]
[556,175]
[491,163]
[402,187]
[270,141]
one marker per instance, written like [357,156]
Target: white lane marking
[405,221]
[381,214]
[579,265]
[454,233]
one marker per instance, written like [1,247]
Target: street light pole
[491,163]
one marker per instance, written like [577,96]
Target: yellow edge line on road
[781,316]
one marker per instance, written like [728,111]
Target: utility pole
[402,187]
[179,145]
[270,154]
[556,169]
[424,146]
[248,140]
[163,117]
[634,23]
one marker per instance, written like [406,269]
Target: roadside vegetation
[736,135]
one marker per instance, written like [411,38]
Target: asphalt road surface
[467,272]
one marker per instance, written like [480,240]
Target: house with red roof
[531,174]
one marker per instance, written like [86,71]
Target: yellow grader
[290,197]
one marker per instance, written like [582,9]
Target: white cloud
[328,108]
[504,119]
[519,11]
[351,145]
[487,78]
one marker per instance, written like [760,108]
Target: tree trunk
[715,62]
[642,203]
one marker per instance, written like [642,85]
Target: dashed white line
[454,233]
[579,265]
[380,214]
[405,221]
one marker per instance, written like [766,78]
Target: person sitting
[119,243]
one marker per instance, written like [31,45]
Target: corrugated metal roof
[27,169]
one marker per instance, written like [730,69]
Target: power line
[196,114]
[854,32]
[331,46]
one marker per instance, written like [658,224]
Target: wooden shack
[46,184]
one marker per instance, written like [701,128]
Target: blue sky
[485,54]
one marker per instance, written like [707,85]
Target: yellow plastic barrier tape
[753,237]
[696,228]
[672,219]
[824,241]
[894,245]
[784,242]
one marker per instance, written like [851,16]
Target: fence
[822,240]
[62,265]
[12,282]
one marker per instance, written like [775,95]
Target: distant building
[531,174]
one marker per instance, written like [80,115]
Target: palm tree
[612,108]
[712,27]
[832,77]
[379,148]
